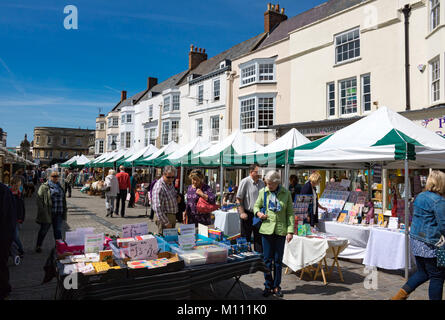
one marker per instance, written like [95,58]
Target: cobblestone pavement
[89,211]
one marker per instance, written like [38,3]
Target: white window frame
[435,79]
[165,133]
[102,125]
[115,123]
[434,14]
[174,130]
[199,123]
[37,140]
[329,99]
[176,105]
[152,137]
[150,111]
[110,122]
[129,118]
[254,126]
[363,94]
[341,114]
[347,42]
[128,139]
[123,118]
[214,129]
[146,137]
[166,104]
[254,75]
[101,146]
[200,94]
[122,142]
[216,93]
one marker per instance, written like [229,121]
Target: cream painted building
[325,68]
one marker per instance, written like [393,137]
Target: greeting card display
[333,200]
[302,205]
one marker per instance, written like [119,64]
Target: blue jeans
[427,270]
[273,250]
[44,228]
[17,239]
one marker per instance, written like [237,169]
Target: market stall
[385,138]
[138,155]
[139,265]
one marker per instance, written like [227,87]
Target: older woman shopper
[111,190]
[310,189]
[277,227]
[198,189]
[51,202]
[427,228]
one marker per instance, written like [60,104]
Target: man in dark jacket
[8,220]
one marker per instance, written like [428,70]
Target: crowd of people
[264,205]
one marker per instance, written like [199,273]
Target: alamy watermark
[372,278]
[71,21]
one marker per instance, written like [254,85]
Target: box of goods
[216,235]
[202,254]
[63,248]
[120,247]
[166,262]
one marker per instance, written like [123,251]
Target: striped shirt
[164,200]
[57,195]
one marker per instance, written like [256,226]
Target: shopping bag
[205,207]
[256,222]
[128,196]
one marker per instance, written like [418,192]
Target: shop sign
[434,124]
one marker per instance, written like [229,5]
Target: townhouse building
[329,66]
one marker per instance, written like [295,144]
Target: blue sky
[50,76]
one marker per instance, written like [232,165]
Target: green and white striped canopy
[154,159]
[138,155]
[384,136]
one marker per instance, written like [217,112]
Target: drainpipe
[407,12]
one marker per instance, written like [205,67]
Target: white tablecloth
[357,235]
[302,251]
[386,250]
[227,222]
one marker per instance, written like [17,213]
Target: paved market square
[89,211]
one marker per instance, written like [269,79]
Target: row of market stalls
[383,138]
[9,163]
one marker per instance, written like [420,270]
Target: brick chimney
[123,95]
[273,17]
[151,82]
[196,56]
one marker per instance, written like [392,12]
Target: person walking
[133,184]
[111,190]
[198,189]
[52,210]
[20,212]
[8,220]
[124,186]
[69,182]
[277,226]
[246,197]
[427,229]
[310,189]
[150,188]
[164,200]
[294,186]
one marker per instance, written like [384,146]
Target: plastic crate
[218,253]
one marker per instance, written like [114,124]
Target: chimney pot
[268,6]
[203,50]
[191,47]
[277,8]
[282,10]
[273,7]
[272,18]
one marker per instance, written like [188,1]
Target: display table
[302,252]
[386,250]
[165,286]
[357,235]
[227,222]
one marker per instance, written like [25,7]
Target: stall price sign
[143,250]
[94,242]
[133,230]
[187,229]
[187,242]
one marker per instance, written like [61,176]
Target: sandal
[277,292]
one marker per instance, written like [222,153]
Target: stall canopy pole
[221,178]
[286,170]
[103,173]
[406,214]
[181,181]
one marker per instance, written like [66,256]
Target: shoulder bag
[257,222]
[204,207]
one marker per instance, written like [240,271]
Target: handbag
[205,207]
[440,252]
[257,222]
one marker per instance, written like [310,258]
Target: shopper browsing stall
[111,190]
[52,210]
[310,189]
[198,189]
[275,208]
[164,200]
[124,187]
[246,197]
[427,229]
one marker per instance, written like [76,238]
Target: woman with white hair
[274,207]
[111,189]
